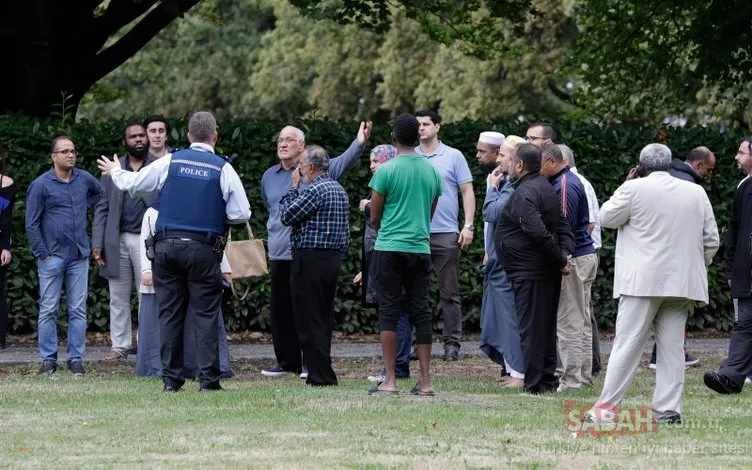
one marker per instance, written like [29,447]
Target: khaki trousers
[668,315]
[574,333]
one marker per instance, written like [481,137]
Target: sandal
[420,393]
[377,391]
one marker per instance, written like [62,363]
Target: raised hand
[364,133]
[107,166]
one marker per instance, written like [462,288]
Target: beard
[488,168]
[139,152]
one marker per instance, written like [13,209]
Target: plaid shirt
[319,215]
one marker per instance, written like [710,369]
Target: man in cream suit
[667,237]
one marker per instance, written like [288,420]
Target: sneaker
[76,368]
[304,374]
[47,367]
[378,378]
[651,365]
[690,360]
[413,355]
[275,371]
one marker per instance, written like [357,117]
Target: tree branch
[109,59]
[562,95]
[119,13]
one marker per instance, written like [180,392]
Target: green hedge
[604,154]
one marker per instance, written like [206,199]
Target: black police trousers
[187,281]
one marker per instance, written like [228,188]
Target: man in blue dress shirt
[56,206]
[275,183]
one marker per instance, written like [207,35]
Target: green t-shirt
[410,184]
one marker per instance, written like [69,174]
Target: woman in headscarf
[148,359]
[379,156]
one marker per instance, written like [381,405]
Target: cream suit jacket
[667,236]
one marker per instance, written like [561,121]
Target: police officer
[201,194]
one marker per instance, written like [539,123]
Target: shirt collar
[559,173]
[439,150]
[51,174]
[573,170]
[202,146]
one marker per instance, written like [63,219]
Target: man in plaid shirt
[319,217]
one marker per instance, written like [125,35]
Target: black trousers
[536,302]
[284,333]
[313,277]
[739,360]
[3,306]
[188,281]
[400,275]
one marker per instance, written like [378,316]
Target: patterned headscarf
[384,152]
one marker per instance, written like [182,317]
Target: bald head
[702,160]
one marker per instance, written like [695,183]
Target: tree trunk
[54,50]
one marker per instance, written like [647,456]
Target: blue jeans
[52,271]
[404,344]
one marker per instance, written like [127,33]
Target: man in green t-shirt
[405,192]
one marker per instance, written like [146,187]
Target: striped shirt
[319,215]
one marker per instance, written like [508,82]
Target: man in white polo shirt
[446,237]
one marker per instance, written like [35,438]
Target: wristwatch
[468,226]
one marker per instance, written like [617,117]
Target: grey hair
[318,157]
[298,132]
[202,126]
[568,154]
[655,157]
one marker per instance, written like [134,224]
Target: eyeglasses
[287,140]
[531,138]
[66,152]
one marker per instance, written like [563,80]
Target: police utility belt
[217,243]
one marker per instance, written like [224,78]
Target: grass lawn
[110,419]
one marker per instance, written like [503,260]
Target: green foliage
[649,58]
[604,155]
[268,60]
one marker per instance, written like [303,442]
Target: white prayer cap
[491,138]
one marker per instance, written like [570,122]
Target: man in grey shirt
[275,183]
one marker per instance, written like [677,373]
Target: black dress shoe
[170,389]
[720,383]
[670,418]
[215,387]
[451,354]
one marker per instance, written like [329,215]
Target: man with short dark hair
[319,217]
[735,371]
[540,132]
[405,193]
[116,236]
[56,210]
[158,132]
[446,238]
[534,244]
